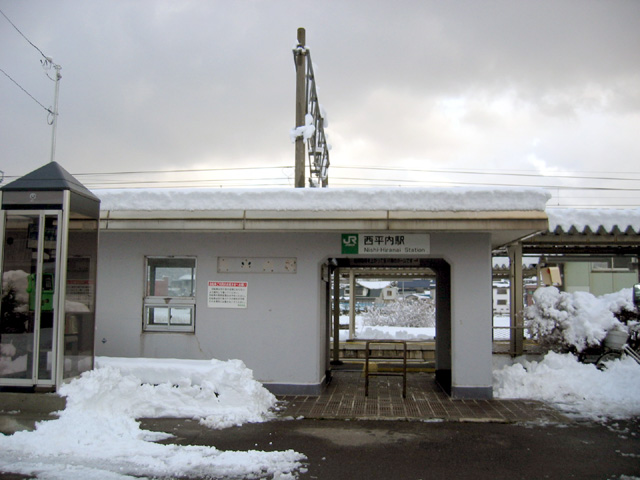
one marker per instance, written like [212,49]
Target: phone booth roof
[41,189]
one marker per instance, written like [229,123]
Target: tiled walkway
[344,399]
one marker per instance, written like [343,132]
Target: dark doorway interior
[401,271]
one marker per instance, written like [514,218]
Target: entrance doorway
[352,296]
[28,314]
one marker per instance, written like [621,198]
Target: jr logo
[349,243]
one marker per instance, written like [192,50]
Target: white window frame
[166,304]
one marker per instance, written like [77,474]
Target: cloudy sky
[417,93]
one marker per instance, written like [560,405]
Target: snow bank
[580,390]
[394,333]
[560,319]
[322,199]
[218,394]
[97,436]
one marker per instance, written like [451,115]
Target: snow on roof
[581,220]
[327,199]
[373,284]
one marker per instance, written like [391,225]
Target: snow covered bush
[410,313]
[578,389]
[562,321]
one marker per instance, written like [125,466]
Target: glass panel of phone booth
[80,296]
[46,359]
[26,324]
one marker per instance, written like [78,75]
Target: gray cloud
[162,84]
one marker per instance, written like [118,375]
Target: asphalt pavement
[416,450]
[478,447]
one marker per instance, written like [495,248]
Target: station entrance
[402,293]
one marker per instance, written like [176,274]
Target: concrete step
[22,411]
[31,402]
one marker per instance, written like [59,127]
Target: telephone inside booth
[46,302]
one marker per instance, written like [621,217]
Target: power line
[570,175]
[21,88]
[478,184]
[183,170]
[47,59]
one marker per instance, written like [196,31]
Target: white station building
[241,274]
[245,274]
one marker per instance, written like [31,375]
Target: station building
[247,273]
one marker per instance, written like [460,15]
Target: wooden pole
[516,301]
[301,106]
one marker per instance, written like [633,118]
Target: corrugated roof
[594,221]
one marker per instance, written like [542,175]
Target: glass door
[28,311]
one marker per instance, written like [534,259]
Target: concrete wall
[469,256]
[282,335]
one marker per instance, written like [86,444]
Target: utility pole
[54,120]
[301,106]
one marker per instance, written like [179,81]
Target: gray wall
[469,256]
[282,334]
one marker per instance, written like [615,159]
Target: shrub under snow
[413,313]
[565,321]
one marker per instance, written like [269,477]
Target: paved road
[415,450]
[384,450]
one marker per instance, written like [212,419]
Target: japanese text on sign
[227,294]
[385,243]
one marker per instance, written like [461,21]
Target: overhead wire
[47,64]
[47,59]
[567,174]
[25,91]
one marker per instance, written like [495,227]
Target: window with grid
[170,294]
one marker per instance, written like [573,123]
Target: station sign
[385,243]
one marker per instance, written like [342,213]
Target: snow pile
[561,320]
[97,436]
[384,332]
[326,199]
[580,390]
[393,333]
[218,394]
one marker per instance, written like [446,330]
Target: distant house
[501,297]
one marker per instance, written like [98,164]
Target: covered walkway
[344,398]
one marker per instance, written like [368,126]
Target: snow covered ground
[97,437]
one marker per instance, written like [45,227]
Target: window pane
[157,315]
[622,262]
[171,277]
[181,316]
[170,294]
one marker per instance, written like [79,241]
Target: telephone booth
[49,229]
